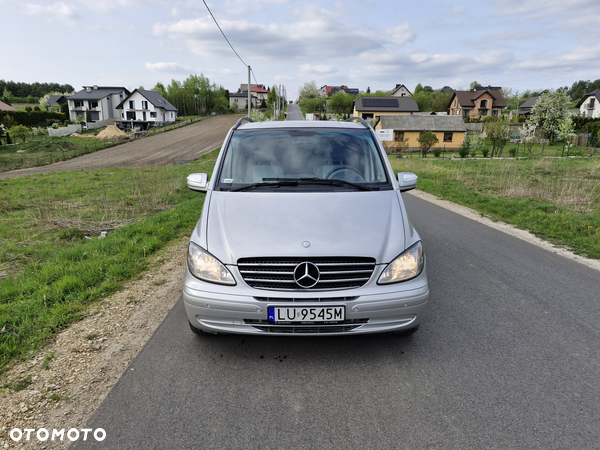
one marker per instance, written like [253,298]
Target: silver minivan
[304,232]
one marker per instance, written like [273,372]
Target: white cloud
[57,10]
[321,69]
[168,67]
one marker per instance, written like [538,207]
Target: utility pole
[249,95]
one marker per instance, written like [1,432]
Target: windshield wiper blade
[332,181]
[275,182]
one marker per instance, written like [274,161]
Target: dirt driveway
[164,149]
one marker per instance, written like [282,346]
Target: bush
[512,152]
[485,152]
[463,151]
[437,152]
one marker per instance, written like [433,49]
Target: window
[483,112]
[144,105]
[93,104]
[131,104]
[130,115]
[77,104]
[466,112]
[592,101]
[483,104]
[153,114]
[448,137]
[399,136]
[495,112]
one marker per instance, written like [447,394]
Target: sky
[519,44]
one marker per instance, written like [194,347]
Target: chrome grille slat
[278,273]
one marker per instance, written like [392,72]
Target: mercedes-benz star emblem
[306,275]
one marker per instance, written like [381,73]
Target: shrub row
[30,118]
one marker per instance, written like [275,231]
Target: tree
[19,131]
[272,97]
[418,88]
[427,139]
[498,134]
[566,133]
[341,103]
[308,91]
[528,137]
[473,85]
[549,110]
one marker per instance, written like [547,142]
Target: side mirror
[198,182]
[407,181]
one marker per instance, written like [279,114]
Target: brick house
[476,104]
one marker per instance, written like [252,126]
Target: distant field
[558,199]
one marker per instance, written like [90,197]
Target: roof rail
[239,122]
[360,119]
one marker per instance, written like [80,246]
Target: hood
[265,224]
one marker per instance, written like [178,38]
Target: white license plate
[307,315]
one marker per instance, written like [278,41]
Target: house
[525,108]
[100,101]
[144,109]
[240,100]
[477,103]
[375,107]
[5,107]
[328,91]
[400,91]
[450,130]
[54,102]
[244,87]
[259,92]
[588,105]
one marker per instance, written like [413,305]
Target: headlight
[206,267]
[406,266]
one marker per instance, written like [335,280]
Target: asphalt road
[508,357]
[294,113]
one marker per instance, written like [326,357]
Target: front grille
[278,273]
[347,325]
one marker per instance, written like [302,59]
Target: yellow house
[450,130]
[374,107]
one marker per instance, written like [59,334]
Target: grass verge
[555,199]
[53,272]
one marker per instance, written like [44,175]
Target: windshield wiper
[278,182]
[275,182]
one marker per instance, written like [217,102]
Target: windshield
[273,158]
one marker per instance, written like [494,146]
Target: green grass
[50,273]
[556,199]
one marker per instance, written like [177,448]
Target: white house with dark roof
[100,101]
[401,91]
[588,105]
[144,109]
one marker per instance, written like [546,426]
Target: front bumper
[243,310]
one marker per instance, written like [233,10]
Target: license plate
[306,315]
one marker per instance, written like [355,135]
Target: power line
[219,27]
